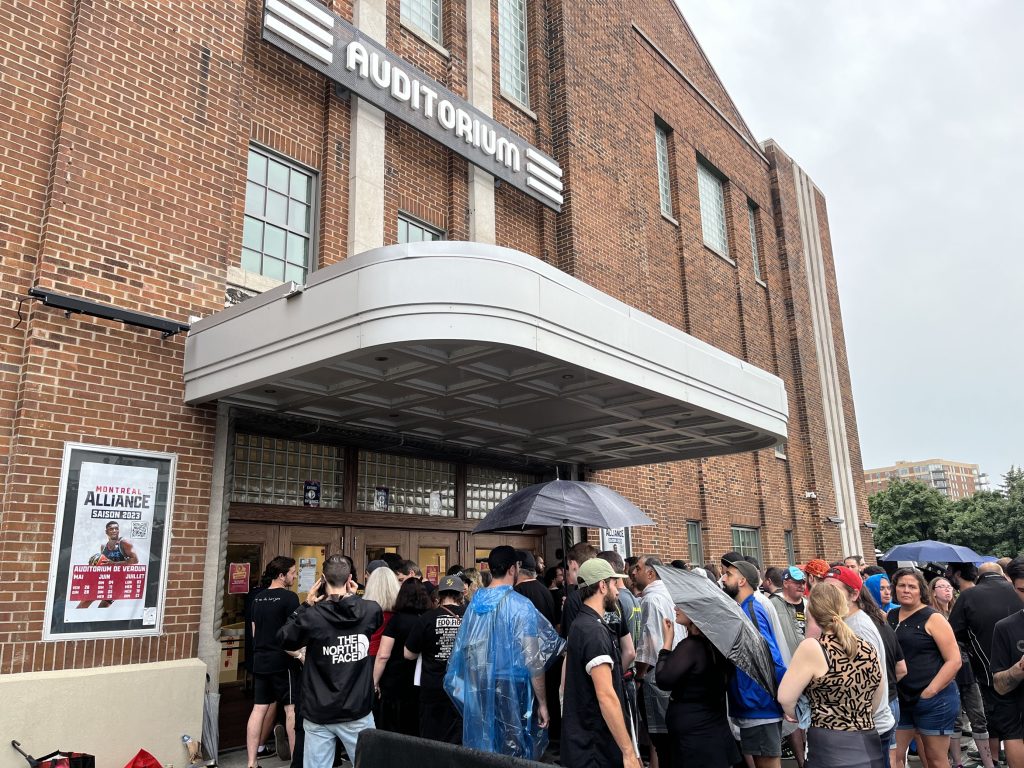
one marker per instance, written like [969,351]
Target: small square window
[424,15]
[278,226]
[747,541]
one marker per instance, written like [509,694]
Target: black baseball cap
[526,559]
[452,584]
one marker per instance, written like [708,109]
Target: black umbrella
[723,622]
[563,502]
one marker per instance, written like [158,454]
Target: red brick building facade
[124,162]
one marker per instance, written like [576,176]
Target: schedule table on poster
[108,582]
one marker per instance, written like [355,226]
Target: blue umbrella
[938,551]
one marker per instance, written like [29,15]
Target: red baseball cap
[848,576]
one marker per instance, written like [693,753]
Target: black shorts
[762,740]
[1004,717]
[280,687]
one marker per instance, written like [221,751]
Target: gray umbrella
[719,618]
[563,502]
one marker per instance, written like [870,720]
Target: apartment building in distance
[955,479]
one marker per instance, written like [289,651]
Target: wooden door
[434,552]
[370,543]
[309,545]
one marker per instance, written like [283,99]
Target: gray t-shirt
[864,628]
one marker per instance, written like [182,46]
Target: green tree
[986,522]
[908,511]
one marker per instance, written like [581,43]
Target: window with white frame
[277,236]
[664,173]
[755,252]
[711,191]
[425,16]
[412,231]
[695,542]
[513,50]
[747,541]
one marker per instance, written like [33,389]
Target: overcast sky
[910,117]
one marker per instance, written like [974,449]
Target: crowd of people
[595,663]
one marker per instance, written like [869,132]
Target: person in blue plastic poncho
[496,672]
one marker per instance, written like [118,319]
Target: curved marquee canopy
[475,347]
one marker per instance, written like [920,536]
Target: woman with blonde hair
[382,587]
[842,678]
[942,594]
[474,581]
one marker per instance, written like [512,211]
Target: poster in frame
[108,567]
[616,539]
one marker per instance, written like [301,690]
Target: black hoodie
[337,676]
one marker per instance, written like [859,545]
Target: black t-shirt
[574,603]
[586,739]
[1007,648]
[433,637]
[398,672]
[893,655]
[540,596]
[270,610]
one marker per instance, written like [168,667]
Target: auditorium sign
[323,40]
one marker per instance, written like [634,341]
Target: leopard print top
[841,698]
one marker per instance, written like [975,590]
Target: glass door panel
[309,546]
[435,551]
[371,543]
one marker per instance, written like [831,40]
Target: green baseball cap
[595,570]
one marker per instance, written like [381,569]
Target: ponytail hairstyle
[828,606]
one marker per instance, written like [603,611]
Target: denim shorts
[931,717]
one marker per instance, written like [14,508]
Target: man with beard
[594,725]
[754,710]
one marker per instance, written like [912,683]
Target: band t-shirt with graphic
[433,637]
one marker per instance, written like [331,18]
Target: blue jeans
[932,717]
[889,737]
[320,740]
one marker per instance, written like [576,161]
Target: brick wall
[124,165]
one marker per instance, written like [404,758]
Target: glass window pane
[486,488]
[664,176]
[755,255]
[425,15]
[273,268]
[300,186]
[513,50]
[252,234]
[295,272]
[251,260]
[712,210]
[297,249]
[415,234]
[254,481]
[405,485]
[277,208]
[298,216]
[278,195]
[257,167]
[277,176]
[403,231]
[273,242]
[255,198]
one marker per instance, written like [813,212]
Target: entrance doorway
[255,544]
